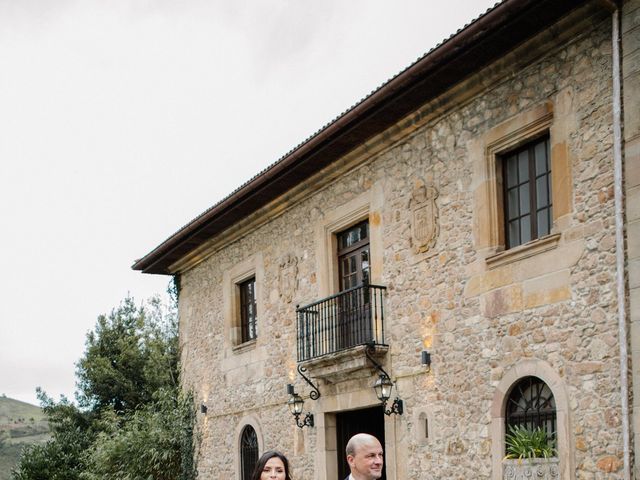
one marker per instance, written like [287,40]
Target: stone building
[482,206]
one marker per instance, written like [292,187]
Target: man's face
[366,463]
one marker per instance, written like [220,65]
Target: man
[365,457]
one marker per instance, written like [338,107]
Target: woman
[272,465]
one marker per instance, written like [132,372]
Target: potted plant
[530,454]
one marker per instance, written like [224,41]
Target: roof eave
[496,32]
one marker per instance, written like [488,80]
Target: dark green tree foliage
[156,442]
[130,355]
[132,421]
[62,457]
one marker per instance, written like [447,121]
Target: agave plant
[522,442]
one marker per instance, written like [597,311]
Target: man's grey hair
[357,440]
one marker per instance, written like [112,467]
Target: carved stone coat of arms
[424,217]
[288,277]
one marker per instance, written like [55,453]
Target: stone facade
[487,315]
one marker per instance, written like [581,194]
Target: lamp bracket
[397,407]
[369,351]
[315,394]
[307,422]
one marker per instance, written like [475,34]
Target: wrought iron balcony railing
[347,319]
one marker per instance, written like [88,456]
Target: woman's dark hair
[266,456]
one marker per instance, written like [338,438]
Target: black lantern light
[384,385]
[296,404]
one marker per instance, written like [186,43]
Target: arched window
[248,451]
[531,405]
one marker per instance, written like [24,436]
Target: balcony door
[354,319]
[353,256]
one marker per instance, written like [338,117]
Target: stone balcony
[333,334]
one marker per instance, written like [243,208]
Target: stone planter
[531,469]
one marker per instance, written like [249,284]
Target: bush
[132,421]
[154,442]
[524,443]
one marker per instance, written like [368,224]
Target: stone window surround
[365,206]
[244,421]
[542,370]
[555,117]
[250,267]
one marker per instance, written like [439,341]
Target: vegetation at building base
[522,442]
[131,420]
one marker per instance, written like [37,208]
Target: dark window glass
[248,313]
[353,235]
[527,193]
[531,405]
[364,263]
[248,452]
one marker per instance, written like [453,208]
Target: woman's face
[273,469]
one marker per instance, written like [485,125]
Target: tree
[132,420]
[130,355]
[63,456]
[155,442]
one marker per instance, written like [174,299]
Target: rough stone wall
[475,335]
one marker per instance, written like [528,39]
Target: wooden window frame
[359,246]
[248,310]
[531,183]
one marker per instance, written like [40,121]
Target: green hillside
[21,424]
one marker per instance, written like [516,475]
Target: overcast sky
[122,120]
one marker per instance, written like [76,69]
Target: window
[532,393]
[524,185]
[248,452]
[531,405]
[527,193]
[353,256]
[354,308]
[242,300]
[248,311]
[337,221]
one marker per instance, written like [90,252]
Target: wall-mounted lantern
[296,403]
[384,385]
